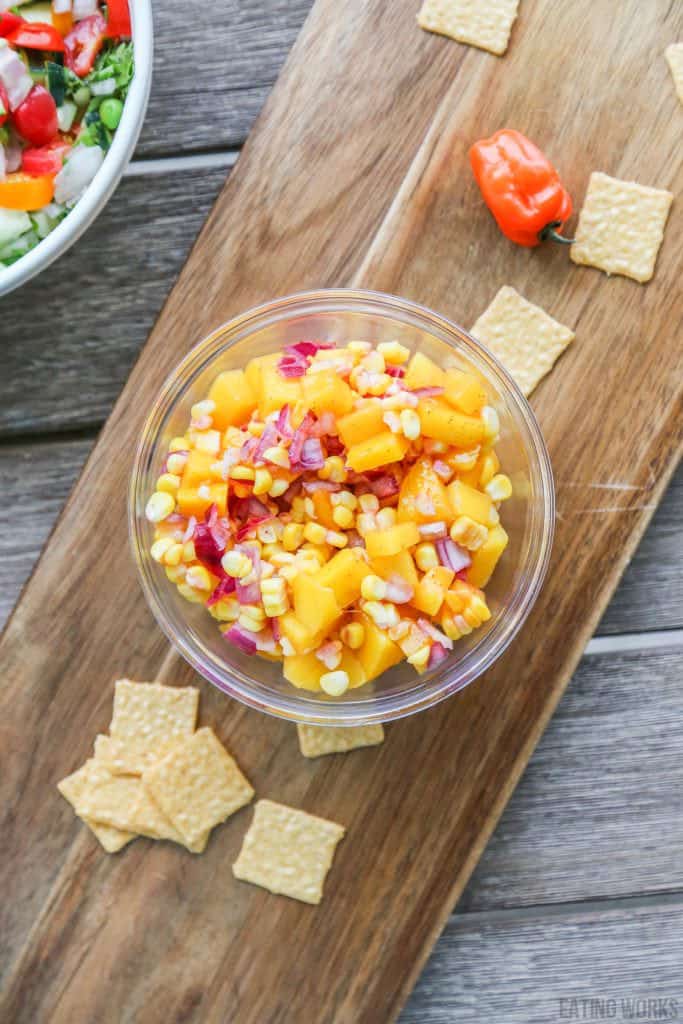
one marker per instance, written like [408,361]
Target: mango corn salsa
[336,509]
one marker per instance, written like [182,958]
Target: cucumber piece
[12,224]
[40,11]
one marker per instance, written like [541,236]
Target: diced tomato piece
[44,159]
[4,104]
[118,19]
[36,118]
[8,23]
[36,35]
[83,43]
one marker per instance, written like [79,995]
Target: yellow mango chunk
[384,543]
[443,423]
[234,399]
[400,564]
[423,497]
[198,470]
[377,451]
[465,391]
[277,391]
[485,559]
[303,671]
[431,590]
[468,501]
[323,392]
[343,574]
[191,502]
[361,425]
[314,605]
[422,372]
[378,651]
[299,635]
[323,509]
[353,667]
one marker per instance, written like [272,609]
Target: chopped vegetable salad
[65,69]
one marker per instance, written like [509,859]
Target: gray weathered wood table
[578,900]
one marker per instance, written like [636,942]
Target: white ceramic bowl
[107,178]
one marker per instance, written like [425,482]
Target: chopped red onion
[79,170]
[330,654]
[452,555]
[268,439]
[175,517]
[384,486]
[433,531]
[207,550]
[308,348]
[14,76]
[324,425]
[398,589]
[248,449]
[242,639]
[334,445]
[248,590]
[164,464]
[224,589]
[442,469]
[84,9]
[219,527]
[427,392]
[396,371]
[299,437]
[265,642]
[250,526]
[355,540]
[310,486]
[13,154]
[436,635]
[437,654]
[291,493]
[292,366]
[282,423]
[191,523]
[312,455]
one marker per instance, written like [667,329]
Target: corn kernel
[393,352]
[335,683]
[274,609]
[190,595]
[226,610]
[464,461]
[373,362]
[242,473]
[393,421]
[345,498]
[176,573]
[314,554]
[365,523]
[410,424]
[336,539]
[315,533]
[198,577]
[273,586]
[266,533]
[253,611]
[309,508]
[256,428]
[293,536]
[489,468]
[494,516]
[343,517]
[369,503]
[237,564]
[420,658]
[204,408]
[384,615]
[263,481]
[426,557]
[330,654]
[189,553]
[468,534]
[491,422]
[499,488]
[359,347]
[278,489]
[169,483]
[208,441]
[178,444]
[385,518]
[353,635]
[159,507]
[174,555]
[378,384]
[281,558]
[234,437]
[176,464]
[160,547]
[278,455]
[373,588]
[333,470]
[286,647]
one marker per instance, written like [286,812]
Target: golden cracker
[674,58]
[316,740]
[288,851]
[152,714]
[129,756]
[486,24]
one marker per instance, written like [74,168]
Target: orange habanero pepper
[521,188]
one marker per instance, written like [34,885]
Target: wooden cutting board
[356,173]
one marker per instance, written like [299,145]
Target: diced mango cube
[422,372]
[431,590]
[443,423]
[377,451]
[384,543]
[192,503]
[314,605]
[468,501]
[361,425]
[343,574]
[465,391]
[323,509]
[351,664]
[485,559]
[277,391]
[378,651]
[303,671]
[255,368]
[298,633]
[324,392]
[423,497]
[400,564]
[198,469]
[234,399]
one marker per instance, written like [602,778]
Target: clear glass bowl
[528,516]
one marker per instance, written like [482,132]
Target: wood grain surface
[387,123]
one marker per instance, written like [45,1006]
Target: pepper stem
[549,234]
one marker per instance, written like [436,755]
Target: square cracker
[523,336]
[152,714]
[197,785]
[621,227]
[674,58]
[316,740]
[287,851]
[483,23]
[112,839]
[74,788]
[129,756]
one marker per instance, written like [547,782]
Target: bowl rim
[295,706]
[100,190]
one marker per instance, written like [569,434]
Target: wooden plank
[539,969]
[65,364]
[604,786]
[36,478]
[213,68]
[412,843]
